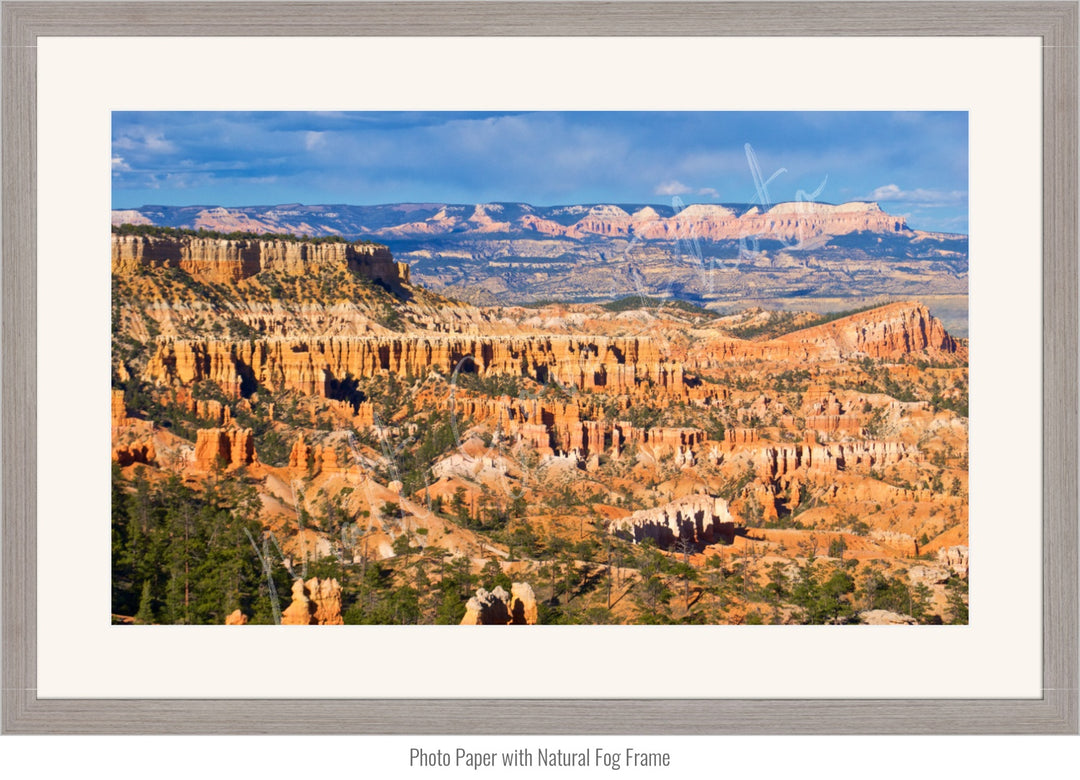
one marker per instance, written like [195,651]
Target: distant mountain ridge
[801,222]
[725,257]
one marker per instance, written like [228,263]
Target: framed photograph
[723,356]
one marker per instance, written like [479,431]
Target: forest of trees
[184,556]
[191,555]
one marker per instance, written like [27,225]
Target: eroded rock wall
[697,519]
[221,260]
[309,365]
[888,332]
[810,459]
[499,608]
[223,448]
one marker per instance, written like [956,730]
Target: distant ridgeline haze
[800,256]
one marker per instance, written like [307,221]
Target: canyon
[353,447]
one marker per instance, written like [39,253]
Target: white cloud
[922,197]
[118,164]
[709,192]
[141,139]
[156,142]
[672,187]
[888,192]
[314,139]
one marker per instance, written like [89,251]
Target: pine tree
[145,615]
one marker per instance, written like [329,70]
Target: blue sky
[913,163]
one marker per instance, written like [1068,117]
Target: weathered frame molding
[1055,712]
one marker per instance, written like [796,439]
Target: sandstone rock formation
[955,558]
[139,451]
[882,617]
[314,603]
[887,332]
[223,448]
[523,610]
[499,608]
[789,222]
[326,460]
[601,364]
[300,456]
[132,438]
[326,595]
[901,544]
[217,413]
[826,460]
[825,413]
[928,575]
[301,612]
[219,260]
[697,519]
[236,618]
[119,410]
[741,436]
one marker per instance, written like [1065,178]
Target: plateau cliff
[887,332]
[219,260]
[890,332]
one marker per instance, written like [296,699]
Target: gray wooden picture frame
[1055,712]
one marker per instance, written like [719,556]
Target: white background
[357,755]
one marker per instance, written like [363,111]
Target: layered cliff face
[219,260]
[698,520]
[563,429]
[888,332]
[788,222]
[804,220]
[826,461]
[310,366]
